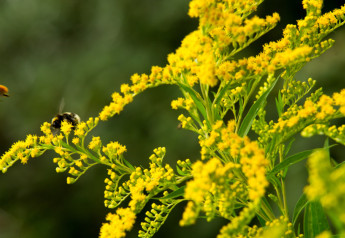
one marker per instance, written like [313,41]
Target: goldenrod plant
[241,172]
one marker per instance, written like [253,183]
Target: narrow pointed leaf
[253,111]
[195,98]
[300,205]
[315,220]
[177,193]
[293,159]
[179,171]
[129,165]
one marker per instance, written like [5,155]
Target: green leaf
[179,171]
[289,146]
[177,193]
[261,220]
[129,165]
[293,159]
[326,147]
[279,104]
[197,100]
[271,145]
[339,165]
[274,181]
[267,204]
[253,111]
[315,220]
[300,205]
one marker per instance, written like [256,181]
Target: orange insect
[3,91]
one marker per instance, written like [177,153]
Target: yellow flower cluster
[331,20]
[187,104]
[95,143]
[21,150]
[113,149]
[142,184]
[297,118]
[140,83]
[277,228]
[317,110]
[83,128]
[237,225]
[66,127]
[184,167]
[236,172]
[285,58]
[295,90]
[212,189]
[314,5]
[242,151]
[154,219]
[199,56]
[118,223]
[327,184]
[334,132]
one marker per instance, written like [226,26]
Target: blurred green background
[81,52]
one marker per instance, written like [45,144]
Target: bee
[3,91]
[70,117]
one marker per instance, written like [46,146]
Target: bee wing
[62,105]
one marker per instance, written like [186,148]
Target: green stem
[280,201]
[284,199]
[285,210]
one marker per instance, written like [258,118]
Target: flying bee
[3,91]
[69,117]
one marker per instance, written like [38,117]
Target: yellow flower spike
[90,122]
[175,104]
[128,98]
[117,224]
[80,129]
[190,214]
[34,152]
[75,140]
[121,149]
[105,113]
[41,139]
[156,74]
[59,138]
[66,127]
[45,128]
[95,143]
[48,139]
[23,158]
[125,88]
[31,140]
